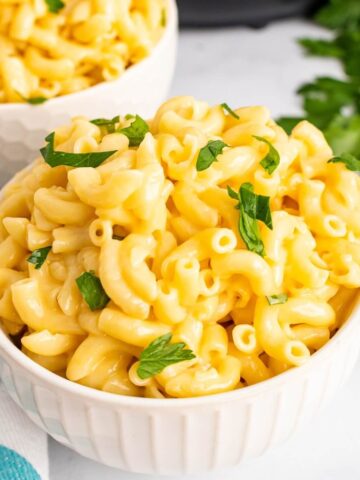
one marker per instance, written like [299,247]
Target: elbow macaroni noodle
[180,266]
[44,54]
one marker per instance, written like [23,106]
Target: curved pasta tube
[195,382]
[214,342]
[133,331]
[35,311]
[89,354]
[125,275]
[167,306]
[273,338]
[108,193]
[49,344]
[253,369]
[7,310]
[62,207]
[250,265]
[308,310]
[11,253]
[202,245]
[310,203]
[313,337]
[301,264]
[180,113]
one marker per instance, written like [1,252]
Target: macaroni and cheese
[201,251]
[52,47]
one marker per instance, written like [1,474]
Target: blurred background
[256,13]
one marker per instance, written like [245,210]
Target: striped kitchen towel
[23,446]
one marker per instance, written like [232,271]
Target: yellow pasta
[47,53]
[165,246]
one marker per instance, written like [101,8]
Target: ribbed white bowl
[181,435]
[141,89]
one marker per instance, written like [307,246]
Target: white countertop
[243,67]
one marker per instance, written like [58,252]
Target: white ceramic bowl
[180,435]
[141,89]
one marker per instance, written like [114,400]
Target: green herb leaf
[92,291]
[322,48]
[208,154]
[277,299]
[54,5]
[39,256]
[161,353]
[288,123]
[250,233]
[36,100]
[108,123]
[232,193]
[78,160]
[252,208]
[351,163]
[256,206]
[33,100]
[340,14]
[343,135]
[272,159]
[226,107]
[136,131]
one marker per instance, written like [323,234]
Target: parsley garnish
[277,299]
[208,154]
[351,163]
[55,158]
[136,131]
[92,291]
[39,256]
[161,353]
[33,100]
[333,105]
[226,107]
[272,159]
[54,5]
[108,123]
[252,207]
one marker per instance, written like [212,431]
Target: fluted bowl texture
[179,436]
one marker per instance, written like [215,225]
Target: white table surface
[244,67]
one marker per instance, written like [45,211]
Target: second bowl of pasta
[93,58]
[192,279]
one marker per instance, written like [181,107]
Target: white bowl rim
[171,24]
[91,394]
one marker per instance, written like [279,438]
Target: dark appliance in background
[255,13]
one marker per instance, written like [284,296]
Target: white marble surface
[243,67]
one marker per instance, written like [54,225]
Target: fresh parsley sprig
[161,353]
[136,131]
[92,291]
[54,6]
[272,159]
[277,299]
[252,207]
[351,163]
[231,112]
[333,105]
[38,257]
[107,123]
[33,100]
[208,154]
[55,158]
